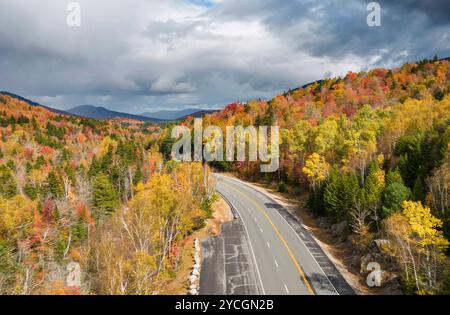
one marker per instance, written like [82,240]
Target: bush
[282,187]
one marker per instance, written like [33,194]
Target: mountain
[176,114]
[33,103]
[91,111]
[199,114]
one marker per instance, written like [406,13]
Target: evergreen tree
[53,185]
[393,197]
[104,196]
[8,185]
[94,168]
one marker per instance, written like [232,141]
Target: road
[265,250]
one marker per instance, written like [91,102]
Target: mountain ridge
[102,113]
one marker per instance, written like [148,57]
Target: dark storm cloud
[175,53]
[437,11]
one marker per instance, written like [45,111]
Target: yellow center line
[289,251]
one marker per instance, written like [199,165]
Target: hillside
[372,150]
[32,103]
[69,189]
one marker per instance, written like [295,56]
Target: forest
[371,149]
[97,193]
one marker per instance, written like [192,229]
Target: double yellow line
[289,251]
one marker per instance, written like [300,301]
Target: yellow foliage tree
[317,169]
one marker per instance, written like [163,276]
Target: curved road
[265,250]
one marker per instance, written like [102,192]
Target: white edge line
[250,242]
[301,241]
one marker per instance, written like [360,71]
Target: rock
[192,278]
[195,272]
[364,261]
[379,245]
[392,285]
[193,292]
[323,223]
[193,287]
[341,239]
[339,229]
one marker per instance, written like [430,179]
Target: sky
[146,55]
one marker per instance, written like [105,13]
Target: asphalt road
[265,250]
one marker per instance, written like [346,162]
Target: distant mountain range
[177,114]
[171,114]
[90,111]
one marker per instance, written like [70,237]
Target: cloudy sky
[144,55]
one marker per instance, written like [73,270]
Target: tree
[339,194]
[373,188]
[8,185]
[54,186]
[393,197]
[418,243]
[316,169]
[105,198]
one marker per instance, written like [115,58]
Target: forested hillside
[372,148]
[96,193]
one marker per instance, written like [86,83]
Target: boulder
[341,239]
[193,292]
[195,272]
[363,262]
[339,229]
[392,285]
[192,278]
[379,245]
[323,223]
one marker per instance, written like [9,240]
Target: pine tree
[331,195]
[104,196]
[53,185]
[94,168]
[8,185]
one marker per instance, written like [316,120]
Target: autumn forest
[371,149]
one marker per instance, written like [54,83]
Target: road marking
[251,247]
[254,219]
[276,263]
[301,241]
[286,288]
[268,245]
[261,230]
[289,251]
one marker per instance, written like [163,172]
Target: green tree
[8,185]
[393,197]
[53,185]
[104,196]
